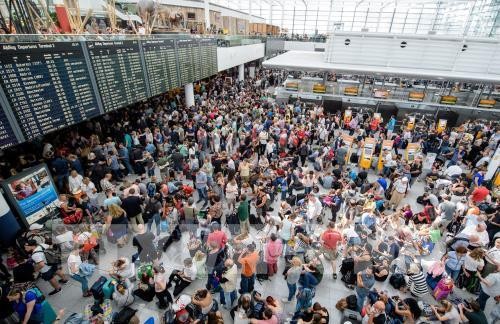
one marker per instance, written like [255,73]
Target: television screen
[191,15]
[32,193]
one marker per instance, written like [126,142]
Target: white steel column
[207,14]
[241,72]
[251,71]
[189,95]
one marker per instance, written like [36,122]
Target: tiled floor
[327,293]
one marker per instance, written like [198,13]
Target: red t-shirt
[219,237]
[480,193]
[331,238]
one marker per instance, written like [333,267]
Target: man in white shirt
[314,209]
[75,182]
[183,278]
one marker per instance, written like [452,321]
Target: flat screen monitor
[32,193]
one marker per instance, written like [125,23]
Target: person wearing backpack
[28,305]
[48,271]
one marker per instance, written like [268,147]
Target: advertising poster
[441,126]
[386,144]
[32,192]
[411,123]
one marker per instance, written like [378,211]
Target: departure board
[161,65]
[186,61]
[208,53]
[47,85]
[7,137]
[118,71]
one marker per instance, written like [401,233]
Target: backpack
[258,310]
[303,150]
[51,256]
[124,316]
[151,187]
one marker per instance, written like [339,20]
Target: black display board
[47,85]
[161,65]
[7,136]
[186,60]
[208,55]
[119,72]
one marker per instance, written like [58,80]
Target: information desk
[47,85]
[119,72]
[161,65]
[7,136]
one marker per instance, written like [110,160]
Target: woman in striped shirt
[416,281]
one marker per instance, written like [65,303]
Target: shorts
[178,168]
[47,276]
[330,254]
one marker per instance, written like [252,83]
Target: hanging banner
[347,117]
[386,144]
[367,153]
[411,151]
[348,140]
[411,123]
[441,126]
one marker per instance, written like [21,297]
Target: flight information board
[208,55]
[185,58]
[118,71]
[7,137]
[161,65]
[47,85]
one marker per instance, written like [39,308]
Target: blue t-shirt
[479,177]
[391,123]
[20,307]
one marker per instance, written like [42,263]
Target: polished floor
[328,292]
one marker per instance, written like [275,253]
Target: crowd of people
[248,190]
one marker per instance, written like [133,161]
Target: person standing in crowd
[74,263]
[201,186]
[248,260]
[47,271]
[132,205]
[364,282]
[331,238]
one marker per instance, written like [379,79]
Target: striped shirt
[417,284]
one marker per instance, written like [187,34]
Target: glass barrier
[222,40]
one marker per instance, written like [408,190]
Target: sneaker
[285,300]
[63,281]
[55,291]
[334,276]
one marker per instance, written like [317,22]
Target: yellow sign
[348,140]
[347,117]
[386,144]
[366,155]
[441,126]
[411,123]
[411,151]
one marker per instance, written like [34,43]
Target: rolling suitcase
[97,288]
[108,288]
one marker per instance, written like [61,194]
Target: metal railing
[222,40]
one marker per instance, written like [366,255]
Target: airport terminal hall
[249,162]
